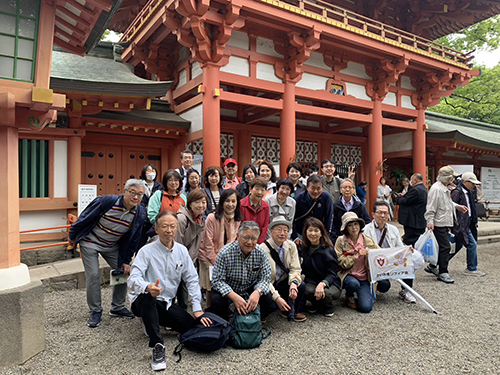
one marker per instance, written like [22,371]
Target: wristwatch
[261,292]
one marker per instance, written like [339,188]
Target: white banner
[392,263]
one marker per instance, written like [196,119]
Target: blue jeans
[362,289]
[471,252]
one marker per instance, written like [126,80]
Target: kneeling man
[154,279]
[242,275]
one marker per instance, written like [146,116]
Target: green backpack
[246,330]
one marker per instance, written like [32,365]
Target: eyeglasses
[135,194]
[347,187]
[249,238]
[382,213]
[328,166]
[280,230]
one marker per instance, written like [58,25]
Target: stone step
[482,240]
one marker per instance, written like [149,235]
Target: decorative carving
[296,50]
[384,75]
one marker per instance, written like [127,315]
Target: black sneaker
[123,313]
[95,319]
[328,313]
[432,270]
[158,361]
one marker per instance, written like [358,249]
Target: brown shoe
[351,303]
[300,317]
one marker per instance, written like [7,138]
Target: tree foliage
[484,35]
[479,100]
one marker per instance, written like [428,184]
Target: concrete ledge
[66,274]
[22,326]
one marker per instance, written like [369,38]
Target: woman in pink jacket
[221,228]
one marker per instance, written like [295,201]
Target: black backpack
[204,339]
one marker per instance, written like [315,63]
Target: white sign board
[490,185]
[392,263]
[86,194]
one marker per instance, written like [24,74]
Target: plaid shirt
[235,273]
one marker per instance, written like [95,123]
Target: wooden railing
[491,211]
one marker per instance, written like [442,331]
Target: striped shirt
[233,272]
[111,227]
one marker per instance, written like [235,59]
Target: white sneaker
[158,362]
[406,296]
[476,273]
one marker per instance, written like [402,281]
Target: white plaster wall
[60,169]
[390,99]
[356,70]
[312,82]
[398,142]
[182,78]
[266,47]
[266,72]
[406,83]
[406,102]
[42,219]
[358,91]
[237,65]
[239,39]
[182,54]
[196,69]
[195,115]
[316,59]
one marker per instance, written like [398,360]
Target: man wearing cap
[287,287]
[230,179]
[465,229]
[440,214]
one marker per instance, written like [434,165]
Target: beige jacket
[346,261]
[440,209]
[189,233]
[291,262]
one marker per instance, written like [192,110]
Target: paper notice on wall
[86,194]
[490,185]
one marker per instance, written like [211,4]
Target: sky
[490,59]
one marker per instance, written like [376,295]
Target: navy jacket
[89,218]
[323,211]
[320,265]
[412,207]
[339,210]
[465,222]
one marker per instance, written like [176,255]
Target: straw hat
[350,217]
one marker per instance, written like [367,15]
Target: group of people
[280,244]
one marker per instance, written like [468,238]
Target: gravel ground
[395,338]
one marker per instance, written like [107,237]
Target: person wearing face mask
[190,229]
[149,174]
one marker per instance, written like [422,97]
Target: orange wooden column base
[419,155]
[211,115]
[375,148]
[9,186]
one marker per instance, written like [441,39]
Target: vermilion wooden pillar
[211,115]
[244,151]
[375,150]
[419,155]
[9,186]
[287,127]
[74,162]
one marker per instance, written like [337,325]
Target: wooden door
[102,166]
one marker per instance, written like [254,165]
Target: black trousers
[443,238]
[154,314]
[220,304]
[284,290]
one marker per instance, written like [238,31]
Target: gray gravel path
[395,338]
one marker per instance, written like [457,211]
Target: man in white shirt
[187,163]
[386,235]
[154,279]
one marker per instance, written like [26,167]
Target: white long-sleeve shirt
[440,207]
[156,261]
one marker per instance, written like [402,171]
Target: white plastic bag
[418,260]
[428,246]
